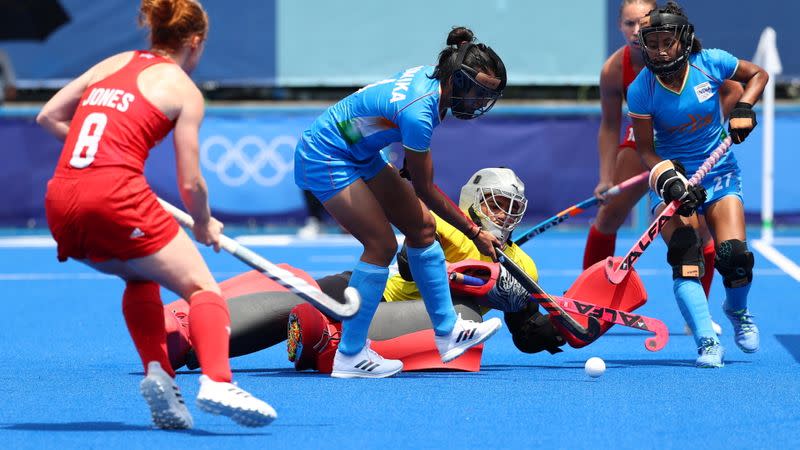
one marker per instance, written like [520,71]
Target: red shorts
[627,139]
[108,214]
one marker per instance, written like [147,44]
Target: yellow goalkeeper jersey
[457,247]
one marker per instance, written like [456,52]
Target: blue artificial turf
[69,374]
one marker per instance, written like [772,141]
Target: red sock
[709,253]
[209,328]
[599,246]
[144,315]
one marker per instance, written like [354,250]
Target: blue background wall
[314,42]
[246,157]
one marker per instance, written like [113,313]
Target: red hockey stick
[638,321]
[617,269]
[588,333]
[602,313]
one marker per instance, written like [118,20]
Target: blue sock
[430,274]
[370,281]
[736,298]
[694,307]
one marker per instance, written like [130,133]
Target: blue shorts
[719,183]
[325,175]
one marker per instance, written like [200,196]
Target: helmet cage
[496,216]
[682,31]
[474,93]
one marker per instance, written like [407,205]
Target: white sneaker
[228,399]
[311,229]
[465,334]
[164,399]
[364,364]
[717,328]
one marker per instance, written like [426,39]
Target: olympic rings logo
[249,158]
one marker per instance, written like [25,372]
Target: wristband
[476,234]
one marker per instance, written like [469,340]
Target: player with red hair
[102,212]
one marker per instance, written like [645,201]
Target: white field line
[777,258]
[766,249]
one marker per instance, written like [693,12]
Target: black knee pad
[402,264]
[685,254]
[735,263]
[532,332]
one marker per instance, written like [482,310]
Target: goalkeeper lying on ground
[260,309]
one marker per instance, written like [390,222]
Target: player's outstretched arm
[610,123]
[420,166]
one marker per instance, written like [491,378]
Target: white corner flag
[767,57]
[767,52]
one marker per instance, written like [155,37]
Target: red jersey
[114,124]
[628,75]
[98,203]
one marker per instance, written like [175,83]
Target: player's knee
[735,263]
[423,233]
[685,254]
[389,249]
[196,287]
[141,286]
[381,251]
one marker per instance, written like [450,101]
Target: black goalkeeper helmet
[474,92]
[659,31]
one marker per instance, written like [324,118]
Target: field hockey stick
[569,323]
[619,317]
[323,302]
[616,275]
[579,307]
[577,208]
